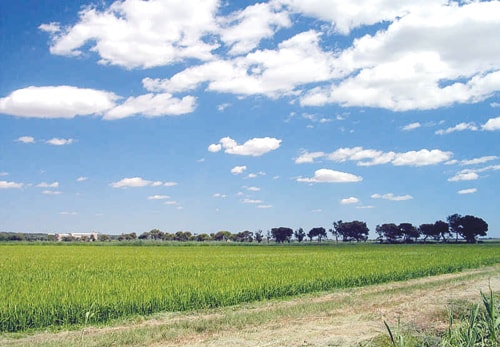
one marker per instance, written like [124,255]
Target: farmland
[67,285]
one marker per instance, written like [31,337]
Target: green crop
[58,285]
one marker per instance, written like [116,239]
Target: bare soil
[347,317]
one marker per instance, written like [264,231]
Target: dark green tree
[351,231]
[282,234]
[318,232]
[442,230]
[410,232]
[299,234]
[389,232]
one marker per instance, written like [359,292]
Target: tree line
[467,228]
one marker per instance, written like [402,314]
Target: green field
[63,285]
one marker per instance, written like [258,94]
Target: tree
[156,234]
[318,232]
[350,231]
[390,232]
[454,224]
[299,234]
[428,230]
[470,227]
[222,236]
[244,236]
[441,229]
[258,236]
[410,233]
[282,234]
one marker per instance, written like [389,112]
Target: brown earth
[340,318]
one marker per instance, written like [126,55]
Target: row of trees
[457,226]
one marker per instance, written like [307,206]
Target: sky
[209,115]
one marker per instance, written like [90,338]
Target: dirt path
[339,318]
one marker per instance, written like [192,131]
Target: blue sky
[214,115]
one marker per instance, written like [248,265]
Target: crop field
[65,285]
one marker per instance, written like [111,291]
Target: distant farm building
[77,236]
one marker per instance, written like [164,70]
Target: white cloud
[237,170]
[412,126]
[297,61]
[421,158]
[10,185]
[392,197]
[464,176]
[264,206]
[51,192]
[253,189]
[222,107]
[350,200]
[158,197]
[136,33]
[467,191]
[356,14]
[251,201]
[418,61]
[492,124]
[243,30]
[214,148]
[458,127]
[170,202]
[307,157]
[56,102]
[480,160]
[370,157]
[48,185]
[254,147]
[4,174]
[26,139]
[82,179]
[219,195]
[152,105]
[136,182]
[330,176]
[68,213]
[59,142]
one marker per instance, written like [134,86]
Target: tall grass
[42,286]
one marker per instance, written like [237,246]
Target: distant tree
[336,230]
[244,236]
[390,232]
[442,230]
[103,238]
[410,233]
[470,227]
[222,236]
[202,237]
[318,232]
[168,237]
[156,234]
[144,236]
[282,234]
[428,230]
[454,224]
[351,231]
[299,234]
[258,236]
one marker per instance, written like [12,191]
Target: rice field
[66,285]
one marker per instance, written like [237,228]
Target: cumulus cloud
[330,176]
[308,157]
[412,126]
[350,200]
[254,147]
[82,179]
[467,191]
[136,33]
[237,170]
[480,160]
[158,197]
[492,124]
[59,142]
[152,105]
[251,201]
[464,176]
[10,185]
[137,182]
[458,127]
[370,157]
[48,185]
[392,197]
[26,139]
[57,102]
